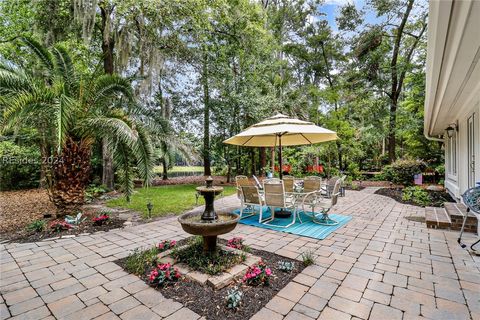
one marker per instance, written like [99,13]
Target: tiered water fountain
[209,224]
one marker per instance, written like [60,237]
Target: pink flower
[173,243]
[268,272]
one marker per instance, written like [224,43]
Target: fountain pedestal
[209,194]
[209,224]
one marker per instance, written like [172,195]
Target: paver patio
[379,266]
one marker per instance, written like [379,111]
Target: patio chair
[315,199]
[289,185]
[471,198]
[241,181]
[250,199]
[257,182]
[311,184]
[327,190]
[275,198]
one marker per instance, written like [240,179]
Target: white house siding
[453,84]
[457,184]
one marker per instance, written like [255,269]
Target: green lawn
[166,200]
[159,169]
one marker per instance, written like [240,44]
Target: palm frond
[143,152]
[64,65]
[110,127]
[21,105]
[108,86]
[121,158]
[11,81]
[41,52]
[64,113]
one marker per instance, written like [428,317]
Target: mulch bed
[438,197]
[20,208]
[211,303]
[86,226]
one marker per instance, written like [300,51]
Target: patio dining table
[297,194]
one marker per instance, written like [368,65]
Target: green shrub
[416,195]
[402,171]
[234,298]
[139,261]
[94,191]
[19,166]
[354,171]
[441,170]
[308,258]
[37,226]
[210,263]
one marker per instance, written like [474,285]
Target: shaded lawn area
[172,199]
[159,169]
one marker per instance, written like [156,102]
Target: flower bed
[42,229]
[436,198]
[239,300]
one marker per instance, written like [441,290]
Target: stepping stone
[457,212]
[437,218]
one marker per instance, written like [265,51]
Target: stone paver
[378,266]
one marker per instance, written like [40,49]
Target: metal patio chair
[250,199]
[471,198]
[274,193]
[315,199]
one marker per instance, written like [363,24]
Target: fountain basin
[192,223]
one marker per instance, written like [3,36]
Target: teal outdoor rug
[305,229]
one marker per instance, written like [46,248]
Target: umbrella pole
[280,156]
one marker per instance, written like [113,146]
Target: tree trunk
[263,161]
[206,119]
[71,173]
[107,171]
[108,174]
[252,160]
[396,81]
[165,169]
[392,124]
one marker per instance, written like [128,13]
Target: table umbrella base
[282,214]
[325,220]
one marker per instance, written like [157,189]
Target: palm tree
[79,110]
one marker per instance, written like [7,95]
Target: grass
[166,200]
[159,169]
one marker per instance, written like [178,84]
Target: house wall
[457,183]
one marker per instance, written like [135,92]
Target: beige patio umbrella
[281,130]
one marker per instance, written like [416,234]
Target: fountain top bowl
[192,223]
[205,189]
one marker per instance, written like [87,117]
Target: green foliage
[417,195]
[63,103]
[37,225]
[234,298]
[402,171]
[94,191]
[353,171]
[440,169]
[286,266]
[140,260]
[209,263]
[308,258]
[19,166]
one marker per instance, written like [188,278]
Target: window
[452,154]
